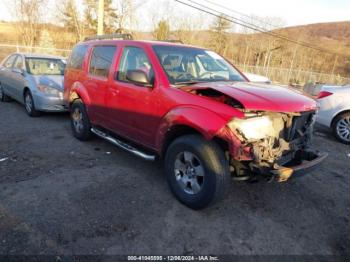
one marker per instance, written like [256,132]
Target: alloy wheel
[189,172]
[343,129]
[77,118]
[28,103]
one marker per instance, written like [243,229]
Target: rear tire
[29,105]
[197,171]
[3,96]
[341,128]
[80,122]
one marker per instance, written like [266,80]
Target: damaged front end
[274,138]
[276,144]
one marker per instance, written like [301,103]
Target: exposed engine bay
[274,138]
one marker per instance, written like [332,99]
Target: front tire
[80,122]
[3,96]
[29,105]
[341,128]
[197,171]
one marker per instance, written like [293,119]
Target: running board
[122,145]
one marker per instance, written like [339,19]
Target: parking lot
[62,196]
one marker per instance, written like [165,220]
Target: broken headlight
[49,90]
[254,128]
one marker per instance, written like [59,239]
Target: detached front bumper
[304,162]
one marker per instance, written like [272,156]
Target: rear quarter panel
[73,82]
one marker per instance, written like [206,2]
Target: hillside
[268,52]
[334,36]
[334,30]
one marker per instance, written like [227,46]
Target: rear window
[77,57]
[101,60]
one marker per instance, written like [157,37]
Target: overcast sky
[292,12]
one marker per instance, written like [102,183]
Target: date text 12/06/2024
[173,258]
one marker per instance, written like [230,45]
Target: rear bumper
[304,163]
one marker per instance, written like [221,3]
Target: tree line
[239,45]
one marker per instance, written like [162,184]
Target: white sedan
[257,78]
[334,110]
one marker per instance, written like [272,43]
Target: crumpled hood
[262,97]
[54,81]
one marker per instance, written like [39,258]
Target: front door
[18,80]
[6,74]
[133,107]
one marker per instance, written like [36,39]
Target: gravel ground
[62,196]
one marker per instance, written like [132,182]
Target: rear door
[97,81]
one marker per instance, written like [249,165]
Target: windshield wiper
[191,82]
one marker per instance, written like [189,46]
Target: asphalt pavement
[62,196]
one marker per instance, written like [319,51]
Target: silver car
[34,80]
[334,110]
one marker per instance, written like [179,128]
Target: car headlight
[253,128]
[48,90]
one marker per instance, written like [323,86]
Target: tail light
[323,94]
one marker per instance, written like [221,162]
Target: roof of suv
[144,42]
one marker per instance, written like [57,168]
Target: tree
[45,39]
[70,17]
[219,33]
[189,29]
[162,31]
[110,16]
[125,15]
[29,15]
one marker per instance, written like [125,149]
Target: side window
[9,62]
[77,57]
[101,60]
[19,62]
[134,58]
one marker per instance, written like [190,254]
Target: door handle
[114,91]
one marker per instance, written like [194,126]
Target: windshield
[191,65]
[45,66]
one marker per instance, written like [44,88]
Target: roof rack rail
[173,41]
[111,36]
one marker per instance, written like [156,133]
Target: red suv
[191,108]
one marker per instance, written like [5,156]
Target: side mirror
[18,71]
[138,77]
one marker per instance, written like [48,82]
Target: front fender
[203,120]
